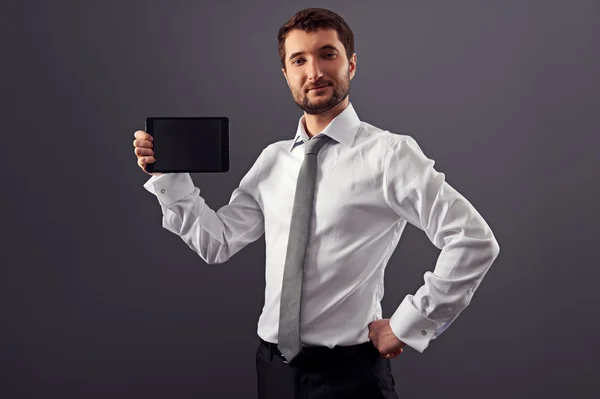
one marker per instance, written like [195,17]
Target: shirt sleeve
[419,194]
[214,236]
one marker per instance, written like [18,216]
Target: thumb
[394,354]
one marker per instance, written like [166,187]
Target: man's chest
[348,194]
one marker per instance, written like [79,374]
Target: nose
[314,70]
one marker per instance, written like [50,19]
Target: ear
[285,76]
[352,66]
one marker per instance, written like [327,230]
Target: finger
[393,354]
[140,134]
[143,151]
[397,353]
[142,143]
[143,161]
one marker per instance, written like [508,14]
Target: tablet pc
[189,144]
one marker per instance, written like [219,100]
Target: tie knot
[314,145]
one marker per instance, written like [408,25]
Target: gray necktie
[289,313]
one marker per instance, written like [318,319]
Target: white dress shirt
[369,184]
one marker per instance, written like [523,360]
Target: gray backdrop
[99,301]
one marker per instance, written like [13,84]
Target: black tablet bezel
[224,142]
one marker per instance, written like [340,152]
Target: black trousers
[344,372]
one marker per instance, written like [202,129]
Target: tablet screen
[189,144]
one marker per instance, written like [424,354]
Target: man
[321,329]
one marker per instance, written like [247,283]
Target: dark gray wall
[98,300]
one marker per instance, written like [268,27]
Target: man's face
[317,59]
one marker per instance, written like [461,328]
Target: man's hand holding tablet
[183,145]
[143,150]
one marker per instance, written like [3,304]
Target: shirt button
[423,332]
[162,190]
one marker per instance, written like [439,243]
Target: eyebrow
[327,46]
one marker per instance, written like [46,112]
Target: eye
[329,55]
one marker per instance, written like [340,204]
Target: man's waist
[325,351]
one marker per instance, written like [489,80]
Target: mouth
[319,88]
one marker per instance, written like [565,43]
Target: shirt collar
[342,128]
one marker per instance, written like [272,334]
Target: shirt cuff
[411,327]
[170,187]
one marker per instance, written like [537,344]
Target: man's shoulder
[384,136]
[278,145]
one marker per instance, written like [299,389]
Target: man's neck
[314,124]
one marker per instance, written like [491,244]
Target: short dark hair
[312,19]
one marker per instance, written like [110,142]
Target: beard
[317,104]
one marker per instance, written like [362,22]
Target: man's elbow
[494,248]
